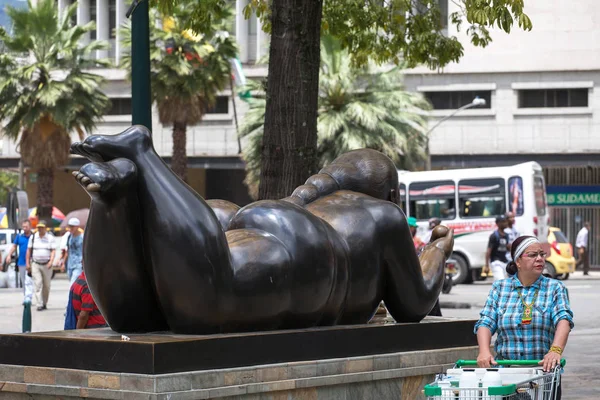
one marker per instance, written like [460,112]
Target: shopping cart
[521,380]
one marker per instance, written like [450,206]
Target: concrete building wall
[561,52]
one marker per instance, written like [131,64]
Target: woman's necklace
[528,310]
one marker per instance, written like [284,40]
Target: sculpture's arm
[412,284]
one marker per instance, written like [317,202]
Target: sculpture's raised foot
[113,251]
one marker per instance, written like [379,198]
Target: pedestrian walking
[511,231]
[495,256]
[529,312]
[73,251]
[583,248]
[86,311]
[40,253]
[20,246]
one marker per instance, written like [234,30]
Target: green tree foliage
[187,70]
[358,107]
[8,181]
[46,89]
[398,31]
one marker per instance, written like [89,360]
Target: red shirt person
[88,314]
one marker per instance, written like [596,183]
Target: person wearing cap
[529,312]
[73,250]
[495,256]
[412,225]
[40,253]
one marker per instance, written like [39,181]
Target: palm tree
[358,108]
[187,72]
[46,90]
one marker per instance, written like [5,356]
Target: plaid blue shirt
[503,310]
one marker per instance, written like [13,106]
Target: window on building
[93,18]
[74,16]
[252,25]
[540,98]
[481,197]
[432,199]
[112,18]
[455,99]
[120,106]
[221,106]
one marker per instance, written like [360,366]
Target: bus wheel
[549,270]
[462,270]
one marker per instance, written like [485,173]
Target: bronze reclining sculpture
[158,257]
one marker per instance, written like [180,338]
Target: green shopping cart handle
[467,363]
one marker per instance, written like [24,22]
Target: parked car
[560,263]
[7,236]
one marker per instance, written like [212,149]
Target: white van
[469,200]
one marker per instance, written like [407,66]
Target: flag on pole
[239,79]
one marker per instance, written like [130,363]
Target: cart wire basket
[521,380]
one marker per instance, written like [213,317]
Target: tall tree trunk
[179,160]
[45,194]
[290,136]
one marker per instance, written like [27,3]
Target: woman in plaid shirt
[530,312]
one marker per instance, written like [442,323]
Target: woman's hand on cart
[551,360]
[485,360]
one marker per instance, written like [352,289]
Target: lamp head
[478,102]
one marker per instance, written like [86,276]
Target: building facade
[542,92]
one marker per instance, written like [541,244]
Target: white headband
[525,244]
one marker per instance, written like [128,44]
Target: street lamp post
[141,101]
[477,102]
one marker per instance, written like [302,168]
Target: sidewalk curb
[454,305]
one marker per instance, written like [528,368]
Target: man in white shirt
[40,253]
[583,248]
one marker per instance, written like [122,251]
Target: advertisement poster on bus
[515,195]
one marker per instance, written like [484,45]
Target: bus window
[432,199]
[403,197]
[515,195]
[481,197]
[540,195]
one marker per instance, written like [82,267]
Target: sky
[4,20]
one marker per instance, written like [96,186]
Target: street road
[582,353]
[581,379]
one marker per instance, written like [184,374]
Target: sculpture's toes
[87,182]
[103,176]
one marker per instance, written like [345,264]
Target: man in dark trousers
[495,256]
[583,248]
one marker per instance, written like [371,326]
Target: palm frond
[46,97]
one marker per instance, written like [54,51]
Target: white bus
[469,200]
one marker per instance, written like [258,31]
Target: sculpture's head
[367,171]
[127,144]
